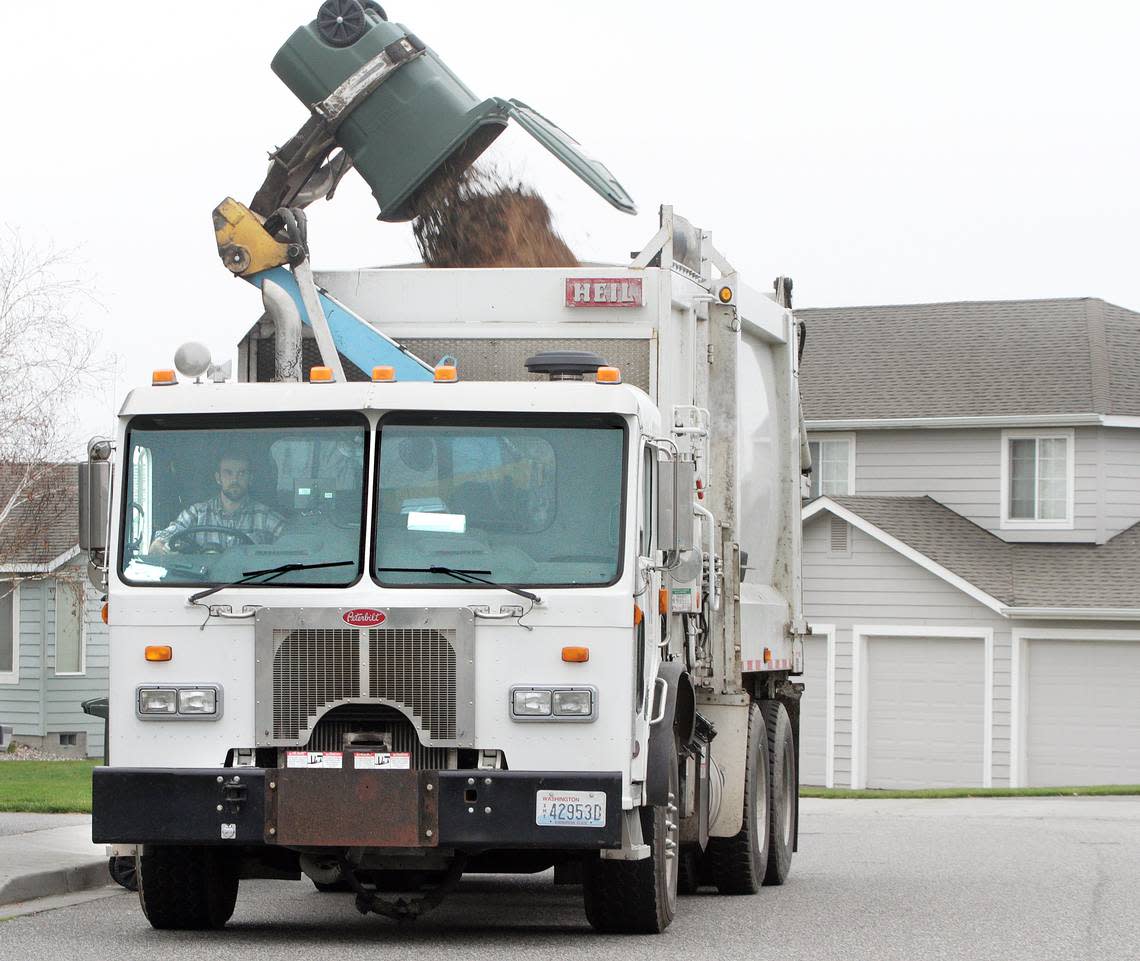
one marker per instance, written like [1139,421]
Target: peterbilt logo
[604,292]
[364,617]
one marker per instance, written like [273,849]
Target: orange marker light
[767,656]
[608,375]
[575,655]
[638,616]
[446,374]
[383,375]
[163,378]
[321,375]
[104,613]
[663,601]
[725,294]
[159,652]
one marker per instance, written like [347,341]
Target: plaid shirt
[262,524]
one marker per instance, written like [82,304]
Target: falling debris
[480,219]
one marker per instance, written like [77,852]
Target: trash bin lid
[570,152]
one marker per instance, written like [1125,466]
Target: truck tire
[784,781]
[737,864]
[187,888]
[639,897]
[689,870]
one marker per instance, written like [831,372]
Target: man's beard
[235,494]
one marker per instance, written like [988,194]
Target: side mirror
[676,485]
[95,497]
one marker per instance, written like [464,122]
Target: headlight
[537,702]
[152,701]
[189,702]
[202,700]
[573,703]
[532,703]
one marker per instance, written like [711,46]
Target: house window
[68,628]
[1037,480]
[833,464]
[68,740]
[9,634]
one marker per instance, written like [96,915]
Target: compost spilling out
[481,219]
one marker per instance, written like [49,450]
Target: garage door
[925,712]
[1082,723]
[813,713]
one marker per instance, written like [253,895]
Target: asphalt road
[917,880]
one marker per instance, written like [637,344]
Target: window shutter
[8,636]
[68,627]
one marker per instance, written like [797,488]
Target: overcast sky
[876,152]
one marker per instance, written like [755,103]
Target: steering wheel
[174,543]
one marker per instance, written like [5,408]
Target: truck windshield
[208,499]
[533,501]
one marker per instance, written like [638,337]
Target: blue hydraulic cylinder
[355,339]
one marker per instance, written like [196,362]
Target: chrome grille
[418,661]
[312,669]
[415,667]
[332,729]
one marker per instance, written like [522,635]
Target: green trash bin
[101,707]
[422,121]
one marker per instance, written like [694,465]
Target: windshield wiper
[465,576]
[269,574]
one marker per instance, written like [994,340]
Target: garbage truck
[466,571]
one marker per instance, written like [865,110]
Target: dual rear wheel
[640,897]
[761,852]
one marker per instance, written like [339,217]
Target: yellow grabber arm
[243,243]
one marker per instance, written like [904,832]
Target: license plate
[570,809]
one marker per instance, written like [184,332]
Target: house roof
[1026,575]
[41,528]
[985,358]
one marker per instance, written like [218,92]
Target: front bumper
[300,808]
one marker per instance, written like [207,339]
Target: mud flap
[676,725]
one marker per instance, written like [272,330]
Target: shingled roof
[43,523]
[986,358]
[1019,575]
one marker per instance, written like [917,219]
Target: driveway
[1033,879]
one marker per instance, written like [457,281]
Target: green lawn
[1097,790]
[49,787]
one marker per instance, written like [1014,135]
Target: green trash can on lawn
[100,707]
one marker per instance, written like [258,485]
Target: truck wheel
[785,789]
[689,870]
[187,888]
[737,864]
[639,897]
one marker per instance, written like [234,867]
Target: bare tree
[47,365]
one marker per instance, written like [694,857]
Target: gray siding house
[53,643]
[972,545]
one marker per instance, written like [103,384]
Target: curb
[42,884]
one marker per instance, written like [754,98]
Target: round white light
[192,359]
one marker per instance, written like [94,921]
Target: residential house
[53,642]
[972,545]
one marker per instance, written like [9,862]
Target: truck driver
[208,525]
